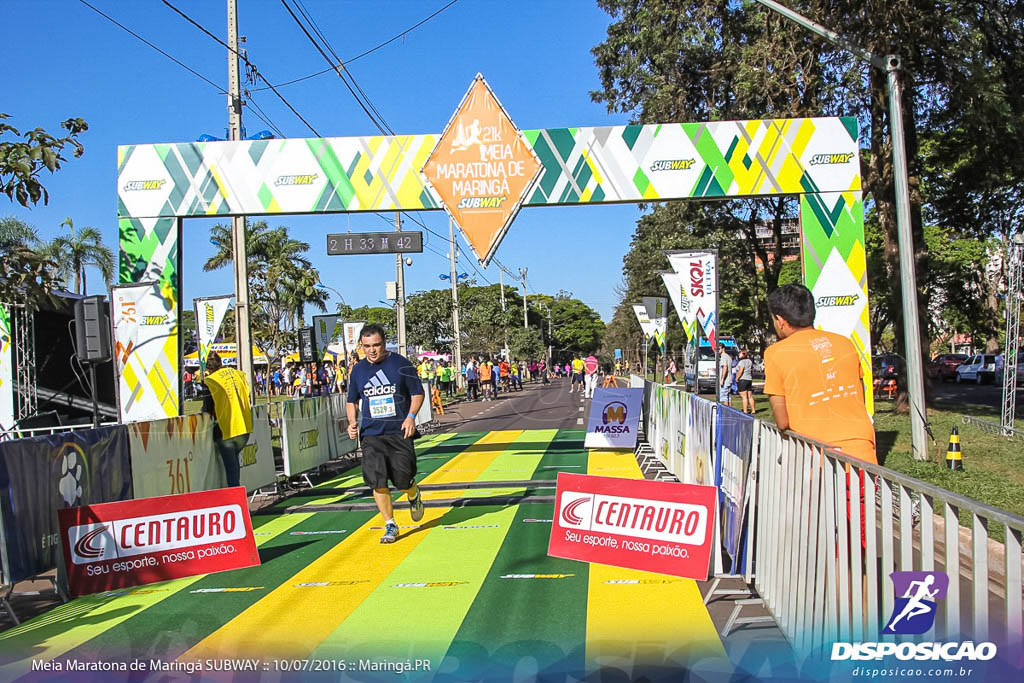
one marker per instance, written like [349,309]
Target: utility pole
[400,298]
[501,283]
[455,304]
[243,333]
[522,272]
[890,64]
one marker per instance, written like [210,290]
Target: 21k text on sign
[135,542]
[653,526]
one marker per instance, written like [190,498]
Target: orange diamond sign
[482,168]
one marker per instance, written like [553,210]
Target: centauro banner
[145,322]
[657,312]
[6,371]
[698,291]
[482,168]
[209,316]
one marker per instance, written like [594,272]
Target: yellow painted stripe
[292,621]
[643,622]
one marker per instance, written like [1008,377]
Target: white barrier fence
[820,544]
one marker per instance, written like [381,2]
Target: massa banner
[614,418]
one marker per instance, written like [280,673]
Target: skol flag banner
[614,418]
[6,371]
[698,277]
[657,312]
[323,330]
[145,323]
[645,322]
[482,169]
[681,302]
[209,316]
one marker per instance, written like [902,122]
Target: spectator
[814,379]
[227,400]
[590,368]
[745,381]
[473,380]
[670,371]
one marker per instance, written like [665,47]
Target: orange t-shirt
[819,374]
[485,371]
[503,369]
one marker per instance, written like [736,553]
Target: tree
[525,343]
[75,252]
[428,320]
[26,271]
[21,163]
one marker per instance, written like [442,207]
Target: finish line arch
[160,185]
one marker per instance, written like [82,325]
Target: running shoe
[416,507]
[390,533]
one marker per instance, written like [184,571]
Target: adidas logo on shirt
[379,385]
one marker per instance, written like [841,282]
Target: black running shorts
[744,385]
[388,456]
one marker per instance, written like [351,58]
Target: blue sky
[535,55]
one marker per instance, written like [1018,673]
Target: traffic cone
[954,460]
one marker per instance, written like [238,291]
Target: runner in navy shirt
[390,392]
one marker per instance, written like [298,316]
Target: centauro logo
[155,320]
[672,165]
[819,159]
[309,439]
[842,300]
[134,185]
[304,179]
[482,202]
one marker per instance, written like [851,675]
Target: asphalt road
[537,406]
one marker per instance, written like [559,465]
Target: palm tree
[73,254]
[26,270]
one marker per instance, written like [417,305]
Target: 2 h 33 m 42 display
[345,244]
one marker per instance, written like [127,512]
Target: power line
[371,50]
[245,59]
[165,54]
[262,115]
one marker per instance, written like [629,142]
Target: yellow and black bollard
[954,459]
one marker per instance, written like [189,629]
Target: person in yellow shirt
[577,374]
[228,402]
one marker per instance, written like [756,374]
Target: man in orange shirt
[814,379]
[486,369]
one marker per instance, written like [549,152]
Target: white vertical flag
[681,302]
[323,330]
[698,278]
[209,316]
[645,322]
[657,312]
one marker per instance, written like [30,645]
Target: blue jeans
[229,450]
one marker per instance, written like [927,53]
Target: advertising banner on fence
[698,291]
[209,316]
[256,461]
[142,541]
[46,473]
[174,456]
[145,352]
[305,432]
[614,419]
[340,442]
[700,422]
[735,440]
[657,313]
[323,330]
[653,526]
[6,370]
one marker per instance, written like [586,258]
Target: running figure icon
[917,593]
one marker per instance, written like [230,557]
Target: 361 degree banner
[116,545]
[654,526]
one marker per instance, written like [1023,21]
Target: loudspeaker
[307,345]
[92,330]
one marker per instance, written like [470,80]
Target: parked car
[980,369]
[887,365]
[944,366]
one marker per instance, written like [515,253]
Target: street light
[905,239]
[332,289]
[460,276]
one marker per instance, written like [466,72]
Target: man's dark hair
[372,329]
[213,362]
[794,303]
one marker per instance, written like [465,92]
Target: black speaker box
[92,330]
